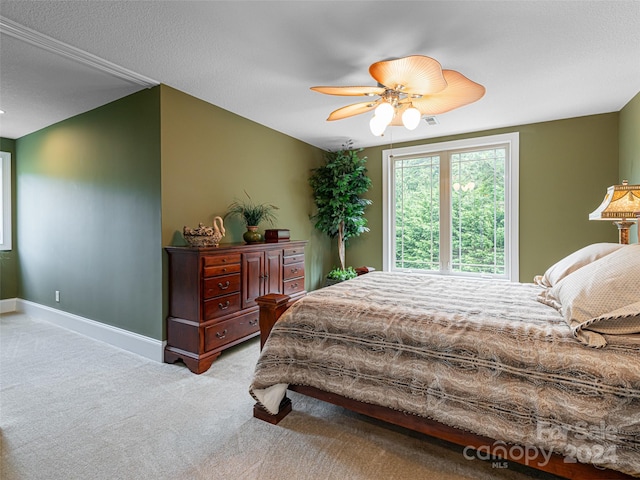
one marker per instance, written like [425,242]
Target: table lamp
[621,205]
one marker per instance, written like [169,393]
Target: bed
[546,374]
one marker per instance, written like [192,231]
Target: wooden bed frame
[272,306]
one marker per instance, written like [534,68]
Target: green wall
[565,162]
[88,195]
[210,157]
[629,131]
[9,258]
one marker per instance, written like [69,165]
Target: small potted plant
[338,275]
[252,214]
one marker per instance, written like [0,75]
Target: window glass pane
[417,213]
[478,211]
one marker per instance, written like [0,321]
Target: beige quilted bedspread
[477,355]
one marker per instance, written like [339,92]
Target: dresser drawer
[228,331]
[222,259]
[218,307]
[221,270]
[221,285]
[293,286]
[293,259]
[289,252]
[293,271]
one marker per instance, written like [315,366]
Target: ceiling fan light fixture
[385,113]
[411,118]
[377,126]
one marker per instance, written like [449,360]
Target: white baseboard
[8,305]
[118,337]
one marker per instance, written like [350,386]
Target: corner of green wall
[9,258]
[629,127]
[88,221]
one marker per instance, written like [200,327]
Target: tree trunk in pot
[341,245]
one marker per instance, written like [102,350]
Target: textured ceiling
[538,60]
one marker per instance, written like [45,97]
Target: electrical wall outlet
[58,296]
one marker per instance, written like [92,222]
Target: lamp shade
[620,203]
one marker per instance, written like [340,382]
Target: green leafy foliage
[337,189]
[341,274]
[252,213]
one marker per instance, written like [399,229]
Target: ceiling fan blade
[350,91]
[460,91]
[351,110]
[416,74]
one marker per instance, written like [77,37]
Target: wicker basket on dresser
[212,292]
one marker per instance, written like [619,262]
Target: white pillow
[574,261]
[601,297]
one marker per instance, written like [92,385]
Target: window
[452,208]
[5,201]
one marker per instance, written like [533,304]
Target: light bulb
[385,113]
[377,126]
[411,118]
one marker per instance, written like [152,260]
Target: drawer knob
[225,306]
[295,285]
[223,287]
[254,322]
[221,334]
[294,270]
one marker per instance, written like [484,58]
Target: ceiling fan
[408,88]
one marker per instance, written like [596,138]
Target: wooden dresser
[212,292]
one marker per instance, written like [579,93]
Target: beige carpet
[75,408]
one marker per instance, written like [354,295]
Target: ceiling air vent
[431,120]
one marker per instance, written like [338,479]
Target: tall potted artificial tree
[337,188]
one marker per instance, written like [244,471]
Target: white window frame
[5,233]
[512,182]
